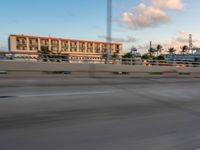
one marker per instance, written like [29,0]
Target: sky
[135,22]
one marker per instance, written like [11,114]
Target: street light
[109,28]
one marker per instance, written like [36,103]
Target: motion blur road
[100,114]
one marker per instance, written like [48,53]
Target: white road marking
[66,94]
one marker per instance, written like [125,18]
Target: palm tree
[184,49]
[152,51]
[171,50]
[44,53]
[159,49]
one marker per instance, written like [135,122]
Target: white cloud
[168,4]
[180,39]
[144,16]
[150,15]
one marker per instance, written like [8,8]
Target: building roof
[28,36]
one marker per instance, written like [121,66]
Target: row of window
[63,49]
[85,58]
[70,58]
[23,41]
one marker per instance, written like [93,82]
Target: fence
[102,60]
[23,69]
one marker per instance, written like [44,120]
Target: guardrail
[101,60]
[48,69]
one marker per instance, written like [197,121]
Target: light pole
[109,29]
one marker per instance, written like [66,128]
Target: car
[3,58]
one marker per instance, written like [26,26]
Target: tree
[115,56]
[128,55]
[171,50]
[160,57]
[146,56]
[159,49]
[2,53]
[44,53]
[184,49]
[152,51]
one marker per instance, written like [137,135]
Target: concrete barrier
[42,69]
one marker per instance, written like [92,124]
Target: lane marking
[66,94]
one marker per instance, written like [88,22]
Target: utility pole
[190,43]
[109,29]
[150,48]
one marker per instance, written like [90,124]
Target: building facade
[192,56]
[29,46]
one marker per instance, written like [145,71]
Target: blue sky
[86,19]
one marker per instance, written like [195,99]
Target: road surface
[100,114]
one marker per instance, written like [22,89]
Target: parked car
[3,58]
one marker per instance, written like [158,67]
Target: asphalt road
[100,114]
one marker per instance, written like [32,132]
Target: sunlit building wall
[22,45]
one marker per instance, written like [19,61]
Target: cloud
[180,39]
[128,39]
[143,16]
[150,15]
[168,4]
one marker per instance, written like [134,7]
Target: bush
[2,53]
[148,57]
[160,57]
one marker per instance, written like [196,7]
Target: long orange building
[23,45]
